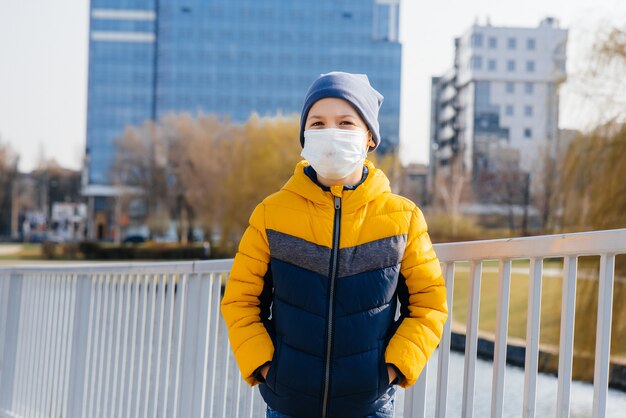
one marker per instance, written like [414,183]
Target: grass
[586,304]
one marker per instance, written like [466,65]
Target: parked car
[134,239]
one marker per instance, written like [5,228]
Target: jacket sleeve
[241,304]
[425,310]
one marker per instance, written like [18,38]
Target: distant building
[498,103]
[41,201]
[415,183]
[148,58]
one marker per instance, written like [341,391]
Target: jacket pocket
[383,375]
[270,378]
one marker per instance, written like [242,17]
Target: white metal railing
[606,244]
[146,339]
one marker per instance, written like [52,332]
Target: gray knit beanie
[354,88]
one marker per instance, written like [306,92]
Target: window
[491,65]
[510,65]
[510,87]
[511,43]
[528,110]
[509,110]
[477,40]
[529,88]
[528,133]
[530,44]
[493,42]
[477,62]
[530,66]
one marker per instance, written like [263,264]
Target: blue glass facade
[229,57]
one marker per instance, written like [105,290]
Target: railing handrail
[542,246]
[558,245]
[188,267]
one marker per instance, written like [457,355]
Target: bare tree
[451,186]
[141,162]
[196,158]
[597,90]
[9,160]
[594,165]
[544,187]
[206,171]
[506,187]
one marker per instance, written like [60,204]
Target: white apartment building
[499,98]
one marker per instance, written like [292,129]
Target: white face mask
[334,153]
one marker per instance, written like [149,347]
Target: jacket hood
[373,187]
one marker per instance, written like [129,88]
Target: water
[581,393]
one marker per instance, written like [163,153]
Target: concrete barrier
[548,360]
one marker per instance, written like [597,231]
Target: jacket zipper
[333,275]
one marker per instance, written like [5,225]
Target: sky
[44,50]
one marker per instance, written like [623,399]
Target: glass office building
[228,57]
[151,57]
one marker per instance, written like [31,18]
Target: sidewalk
[8,249]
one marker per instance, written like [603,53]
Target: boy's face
[337,113]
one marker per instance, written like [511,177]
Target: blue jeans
[385,412]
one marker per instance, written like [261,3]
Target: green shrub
[149,251]
[89,249]
[48,250]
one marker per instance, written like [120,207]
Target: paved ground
[10,249]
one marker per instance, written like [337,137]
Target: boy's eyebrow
[341,116]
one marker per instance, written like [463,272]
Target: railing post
[533,323]
[566,347]
[502,321]
[415,397]
[169,360]
[67,351]
[248,403]
[211,339]
[5,283]
[195,353]
[78,341]
[603,335]
[444,346]
[471,340]
[8,341]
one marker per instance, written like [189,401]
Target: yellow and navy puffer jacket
[334,263]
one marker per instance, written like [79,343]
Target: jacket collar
[372,187]
[310,172]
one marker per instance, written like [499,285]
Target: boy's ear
[370,142]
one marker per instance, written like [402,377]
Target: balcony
[447,133]
[447,113]
[448,93]
[147,339]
